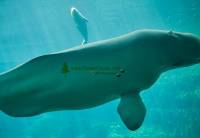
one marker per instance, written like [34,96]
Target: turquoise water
[30,28]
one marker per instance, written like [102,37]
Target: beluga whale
[81,23]
[86,77]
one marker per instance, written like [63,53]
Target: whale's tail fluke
[84,42]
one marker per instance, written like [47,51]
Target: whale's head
[185,49]
[73,11]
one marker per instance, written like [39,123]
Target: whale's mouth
[186,63]
[198,61]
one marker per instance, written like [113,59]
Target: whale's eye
[177,64]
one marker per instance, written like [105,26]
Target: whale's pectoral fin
[132,110]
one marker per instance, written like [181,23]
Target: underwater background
[30,28]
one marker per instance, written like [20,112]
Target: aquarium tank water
[31,28]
